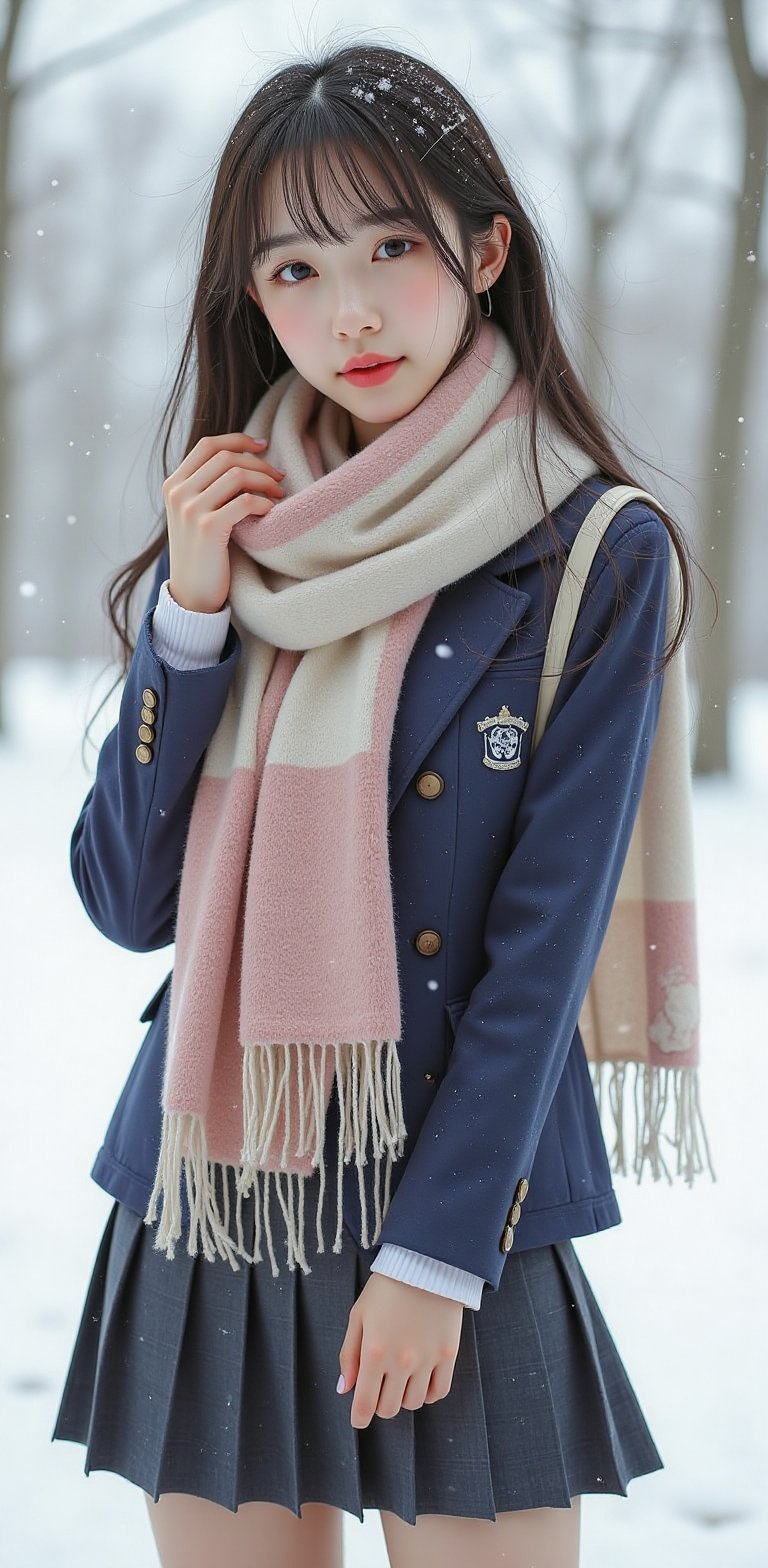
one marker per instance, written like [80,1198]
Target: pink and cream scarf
[285,971]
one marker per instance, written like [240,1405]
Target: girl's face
[384,291]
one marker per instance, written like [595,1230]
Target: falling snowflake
[384,84]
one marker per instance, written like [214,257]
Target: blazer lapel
[473,617]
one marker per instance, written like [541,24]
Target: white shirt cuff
[187,639]
[415,1268]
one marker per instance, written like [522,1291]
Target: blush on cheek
[291,329]
[422,295]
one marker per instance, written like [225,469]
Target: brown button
[146,732]
[430,785]
[148,715]
[429,1078]
[149,697]
[144,753]
[522,1189]
[507,1238]
[429,942]
[514,1213]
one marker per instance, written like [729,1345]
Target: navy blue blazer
[513,870]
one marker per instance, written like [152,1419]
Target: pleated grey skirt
[187,1376]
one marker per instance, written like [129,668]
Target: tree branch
[103,50]
[744,68]
[632,37]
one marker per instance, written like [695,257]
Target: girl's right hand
[221,481]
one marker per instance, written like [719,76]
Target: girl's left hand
[400,1348]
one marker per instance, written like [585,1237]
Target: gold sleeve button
[507,1238]
[147,715]
[149,697]
[522,1190]
[514,1214]
[146,732]
[144,753]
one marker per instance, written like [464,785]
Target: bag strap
[580,558]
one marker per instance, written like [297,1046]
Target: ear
[493,253]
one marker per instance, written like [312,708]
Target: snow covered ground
[679,1281]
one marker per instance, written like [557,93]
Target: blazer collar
[473,617]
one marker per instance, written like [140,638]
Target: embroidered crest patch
[501,738]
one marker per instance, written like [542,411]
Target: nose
[351,320]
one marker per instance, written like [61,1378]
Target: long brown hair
[408,118]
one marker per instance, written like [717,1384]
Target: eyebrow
[292,237]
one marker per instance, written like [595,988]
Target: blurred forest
[638,134]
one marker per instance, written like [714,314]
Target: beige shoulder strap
[580,558]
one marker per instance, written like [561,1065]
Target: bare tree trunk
[13,18]
[609,171]
[592,299]
[726,438]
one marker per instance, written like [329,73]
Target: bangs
[311,188]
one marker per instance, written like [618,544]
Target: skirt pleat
[189,1376]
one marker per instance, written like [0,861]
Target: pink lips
[373,375]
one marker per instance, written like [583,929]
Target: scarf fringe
[370,1098]
[369,1093]
[653,1083]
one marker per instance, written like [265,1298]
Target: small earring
[487,312]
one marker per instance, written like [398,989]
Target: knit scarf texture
[285,977]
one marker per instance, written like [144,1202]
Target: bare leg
[529,1538]
[191,1532]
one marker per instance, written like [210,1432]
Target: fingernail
[259,441]
[340,1385]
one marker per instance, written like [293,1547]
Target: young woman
[385,910]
